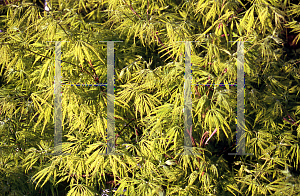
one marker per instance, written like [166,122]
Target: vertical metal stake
[110,97]
[57,101]
[188,121]
[240,137]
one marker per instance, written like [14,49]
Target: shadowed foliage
[149,97]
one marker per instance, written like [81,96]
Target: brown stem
[132,9]
[64,30]
[209,86]
[127,125]
[290,121]
[220,13]
[197,92]
[92,66]
[229,19]
[203,138]
[96,78]
[225,70]
[190,134]
[158,39]
[84,69]
[147,9]
[136,131]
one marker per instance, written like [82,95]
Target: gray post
[240,137]
[110,99]
[188,121]
[57,101]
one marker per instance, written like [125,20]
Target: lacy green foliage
[149,79]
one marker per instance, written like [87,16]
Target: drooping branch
[156,36]
[95,77]
[158,39]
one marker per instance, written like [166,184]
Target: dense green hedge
[149,79]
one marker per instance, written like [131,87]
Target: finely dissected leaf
[149,97]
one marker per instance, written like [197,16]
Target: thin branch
[203,137]
[85,69]
[190,134]
[64,31]
[211,136]
[289,121]
[147,9]
[126,125]
[197,92]
[92,66]
[158,39]
[61,60]
[132,9]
